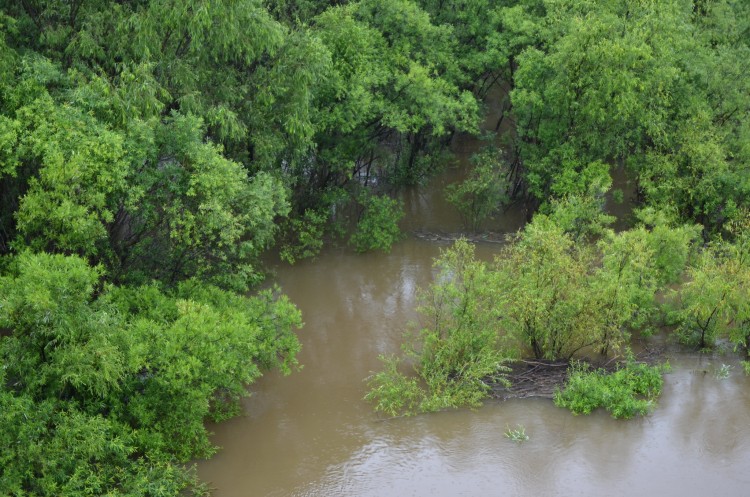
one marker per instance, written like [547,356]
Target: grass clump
[517,434]
[723,372]
[629,391]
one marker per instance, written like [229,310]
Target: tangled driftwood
[538,378]
[532,379]
[485,237]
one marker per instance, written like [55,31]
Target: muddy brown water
[311,434]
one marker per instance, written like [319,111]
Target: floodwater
[311,434]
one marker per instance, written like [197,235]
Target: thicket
[152,150]
[651,87]
[105,389]
[546,296]
[629,391]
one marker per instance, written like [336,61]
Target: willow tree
[137,193]
[713,302]
[564,295]
[634,84]
[457,351]
[548,305]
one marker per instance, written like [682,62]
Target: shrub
[456,355]
[629,391]
[484,191]
[517,434]
[378,226]
[305,236]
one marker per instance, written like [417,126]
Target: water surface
[311,434]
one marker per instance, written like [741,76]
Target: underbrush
[629,391]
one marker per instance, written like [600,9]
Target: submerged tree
[544,295]
[548,305]
[713,302]
[484,192]
[456,352]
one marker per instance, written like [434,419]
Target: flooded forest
[374,248]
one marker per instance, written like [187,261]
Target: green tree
[320,98]
[80,172]
[108,388]
[624,286]
[636,83]
[391,89]
[564,296]
[378,226]
[713,302]
[194,213]
[457,352]
[582,216]
[126,164]
[548,305]
[672,243]
[704,302]
[484,192]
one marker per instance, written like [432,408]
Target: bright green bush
[378,227]
[627,392]
[305,236]
[456,354]
[106,389]
[393,392]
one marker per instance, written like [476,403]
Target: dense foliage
[543,295]
[653,88]
[713,303]
[152,150]
[107,388]
[650,85]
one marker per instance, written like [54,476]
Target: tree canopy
[151,151]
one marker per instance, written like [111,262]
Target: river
[311,434]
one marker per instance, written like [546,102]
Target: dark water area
[311,434]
